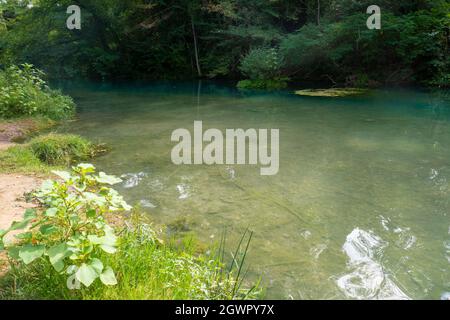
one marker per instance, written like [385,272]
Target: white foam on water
[183,190]
[132,180]
[367,278]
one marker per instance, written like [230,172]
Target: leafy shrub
[71,233]
[262,64]
[61,149]
[25,93]
[263,84]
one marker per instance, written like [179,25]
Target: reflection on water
[360,208]
[367,279]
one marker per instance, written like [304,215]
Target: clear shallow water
[360,208]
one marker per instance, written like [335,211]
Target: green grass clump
[47,152]
[146,269]
[61,149]
[21,159]
[25,93]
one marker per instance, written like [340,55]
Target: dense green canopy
[319,40]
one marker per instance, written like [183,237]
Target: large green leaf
[51,212]
[97,265]
[29,253]
[57,254]
[86,274]
[62,174]
[107,179]
[108,278]
[29,214]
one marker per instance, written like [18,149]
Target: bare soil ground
[12,131]
[13,188]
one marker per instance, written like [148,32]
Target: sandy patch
[13,188]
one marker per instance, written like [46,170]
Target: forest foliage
[303,40]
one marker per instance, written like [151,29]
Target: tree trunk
[318,12]
[197,62]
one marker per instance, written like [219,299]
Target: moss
[333,92]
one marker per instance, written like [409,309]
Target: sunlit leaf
[57,254]
[86,274]
[29,253]
[108,278]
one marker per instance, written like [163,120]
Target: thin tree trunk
[318,12]
[197,62]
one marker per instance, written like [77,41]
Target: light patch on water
[367,278]
[132,180]
[317,250]
[306,234]
[147,204]
[231,172]
[183,190]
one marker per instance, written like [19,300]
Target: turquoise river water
[360,208]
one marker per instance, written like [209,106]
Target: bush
[61,149]
[262,64]
[263,84]
[25,93]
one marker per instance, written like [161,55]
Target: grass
[61,149]
[146,269]
[47,152]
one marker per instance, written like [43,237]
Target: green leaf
[73,283]
[107,179]
[72,269]
[97,265]
[57,254]
[48,229]
[108,249]
[24,236]
[108,278]
[86,274]
[86,167]
[29,253]
[91,213]
[13,252]
[19,225]
[29,214]
[62,174]
[51,212]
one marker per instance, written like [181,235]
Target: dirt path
[13,187]
[12,131]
